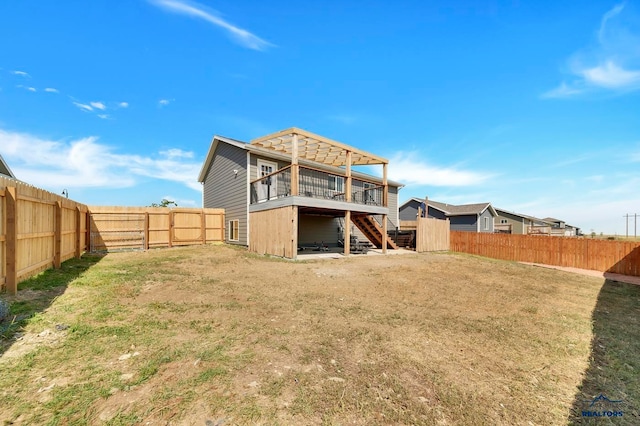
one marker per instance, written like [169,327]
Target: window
[336,183]
[369,194]
[486,223]
[234,226]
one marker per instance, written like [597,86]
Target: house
[466,217]
[561,228]
[4,169]
[514,223]
[293,189]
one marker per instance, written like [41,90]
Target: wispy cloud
[86,162]
[83,107]
[343,118]
[21,73]
[612,63]
[408,168]
[29,88]
[103,116]
[165,102]
[98,105]
[123,105]
[51,90]
[198,11]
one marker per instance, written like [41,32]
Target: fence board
[620,257]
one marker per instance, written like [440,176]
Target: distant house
[515,223]
[4,169]
[478,217]
[561,228]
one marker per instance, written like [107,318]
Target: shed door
[268,187]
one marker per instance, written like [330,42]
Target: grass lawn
[214,335]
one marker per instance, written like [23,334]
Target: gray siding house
[245,177]
[467,217]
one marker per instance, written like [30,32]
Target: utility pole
[626,222]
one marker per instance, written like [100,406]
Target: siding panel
[225,189]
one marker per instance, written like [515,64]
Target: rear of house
[244,178]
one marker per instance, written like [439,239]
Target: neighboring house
[248,178]
[515,223]
[4,169]
[561,228]
[467,217]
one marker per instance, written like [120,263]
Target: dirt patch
[225,337]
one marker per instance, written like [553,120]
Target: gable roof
[4,168]
[456,210]
[277,155]
[524,216]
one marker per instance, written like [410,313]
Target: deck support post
[295,169]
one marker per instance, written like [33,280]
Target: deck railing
[315,183]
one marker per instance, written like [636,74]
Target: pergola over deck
[301,144]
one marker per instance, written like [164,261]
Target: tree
[164,203]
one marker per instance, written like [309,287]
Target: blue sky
[531,105]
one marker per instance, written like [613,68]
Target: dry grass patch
[214,334]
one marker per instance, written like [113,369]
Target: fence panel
[601,255]
[432,234]
[38,230]
[138,228]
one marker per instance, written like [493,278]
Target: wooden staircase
[372,230]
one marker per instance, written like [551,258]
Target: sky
[533,106]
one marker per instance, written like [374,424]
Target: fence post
[146,230]
[57,238]
[170,228]
[11,240]
[87,230]
[203,227]
[78,232]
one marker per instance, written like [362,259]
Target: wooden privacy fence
[432,234]
[619,257]
[38,230]
[127,228]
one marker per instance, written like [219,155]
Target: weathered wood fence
[40,230]
[619,257]
[126,228]
[432,234]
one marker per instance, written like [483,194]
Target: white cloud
[610,75]
[613,61]
[164,102]
[103,116]
[83,107]
[30,89]
[87,163]
[51,90]
[21,73]
[195,10]
[408,169]
[98,105]
[562,91]
[123,105]
[176,153]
